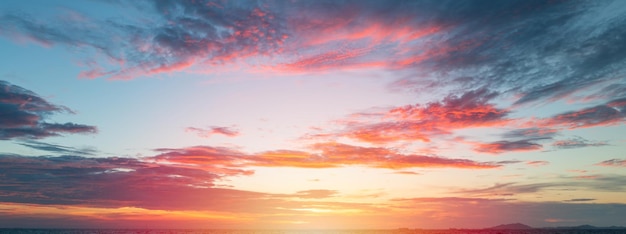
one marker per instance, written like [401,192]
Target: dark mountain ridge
[511,226]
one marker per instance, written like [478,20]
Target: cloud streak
[611,113]
[323,155]
[206,133]
[59,149]
[613,163]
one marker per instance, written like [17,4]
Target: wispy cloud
[609,183]
[576,142]
[322,155]
[24,113]
[315,194]
[532,133]
[507,146]
[611,113]
[208,132]
[538,163]
[613,163]
[59,149]
[580,200]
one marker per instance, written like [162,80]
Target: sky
[295,114]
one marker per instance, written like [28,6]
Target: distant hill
[511,226]
[586,227]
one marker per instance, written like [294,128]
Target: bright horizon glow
[312,114]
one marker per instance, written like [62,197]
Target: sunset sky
[312,114]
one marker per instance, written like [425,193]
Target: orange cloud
[323,155]
[336,155]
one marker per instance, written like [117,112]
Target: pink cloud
[423,122]
[206,133]
[537,163]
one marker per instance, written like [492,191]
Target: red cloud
[223,161]
[416,122]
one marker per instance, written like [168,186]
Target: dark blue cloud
[24,112]
[58,149]
[538,49]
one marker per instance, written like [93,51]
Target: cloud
[509,162]
[336,155]
[537,163]
[499,147]
[54,148]
[407,173]
[613,163]
[216,159]
[580,200]
[103,187]
[322,155]
[535,133]
[206,133]
[117,182]
[611,113]
[24,113]
[506,45]
[527,141]
[113,190]
[608,183]
[315,194]
[181,34]
[94,180]
[538,51]
[508,189]
[577,142]
[422,122]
